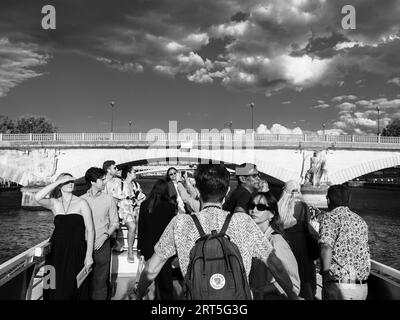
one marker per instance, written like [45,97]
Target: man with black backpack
[214,248]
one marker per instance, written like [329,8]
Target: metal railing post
[30,137]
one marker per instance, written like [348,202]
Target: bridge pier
[315,196]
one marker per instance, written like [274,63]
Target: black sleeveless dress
[68,251]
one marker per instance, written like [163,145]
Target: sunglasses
[260,207]
[255,175]
[173,173]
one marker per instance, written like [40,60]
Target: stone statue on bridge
[317,174]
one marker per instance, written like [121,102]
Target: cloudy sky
[200,62]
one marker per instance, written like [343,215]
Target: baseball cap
[246,169]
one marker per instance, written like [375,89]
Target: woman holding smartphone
[72,239]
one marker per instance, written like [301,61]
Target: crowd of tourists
[248,243]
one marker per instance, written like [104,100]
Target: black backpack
[216,270]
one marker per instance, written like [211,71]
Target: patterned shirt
[181,234]
[130,197]
[347,234]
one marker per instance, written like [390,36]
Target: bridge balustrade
[389,139]
[16,137]
[339,138]
[200,139]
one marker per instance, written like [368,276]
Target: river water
[379,206]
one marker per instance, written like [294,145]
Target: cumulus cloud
[395,81]
[361,117]
[123,67]
[18,63]
[201,76]
[344,98]
[346,106]
[381,103]
[277,129]
[322,106]
[334,132]
[268,46]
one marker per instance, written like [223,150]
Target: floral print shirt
[130,197]
[347,234]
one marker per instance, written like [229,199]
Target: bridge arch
[132,155]
[363,168]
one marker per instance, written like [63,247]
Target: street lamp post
[251,105]
[130,126]
[379,131]
[323,129]
[112,103]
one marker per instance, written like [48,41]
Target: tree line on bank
[27,124]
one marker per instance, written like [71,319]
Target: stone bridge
[36,159]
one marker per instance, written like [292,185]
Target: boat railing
[21,276]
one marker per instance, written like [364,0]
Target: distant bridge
[37,158]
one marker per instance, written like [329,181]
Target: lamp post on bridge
[112,103]
[379,131]
[251,105]
[323,129]
[130,126]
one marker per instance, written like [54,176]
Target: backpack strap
[198,225]
[226,223]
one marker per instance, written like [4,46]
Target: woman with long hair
[295,216]
[173,178]
[154,216]
[263,209]
[130,199]
[72,239]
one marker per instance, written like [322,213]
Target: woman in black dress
[72,239]
[154,216]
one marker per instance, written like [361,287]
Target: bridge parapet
[216,140]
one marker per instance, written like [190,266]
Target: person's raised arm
[89,225]
[41,194]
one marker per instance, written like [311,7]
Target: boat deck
[123,276]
